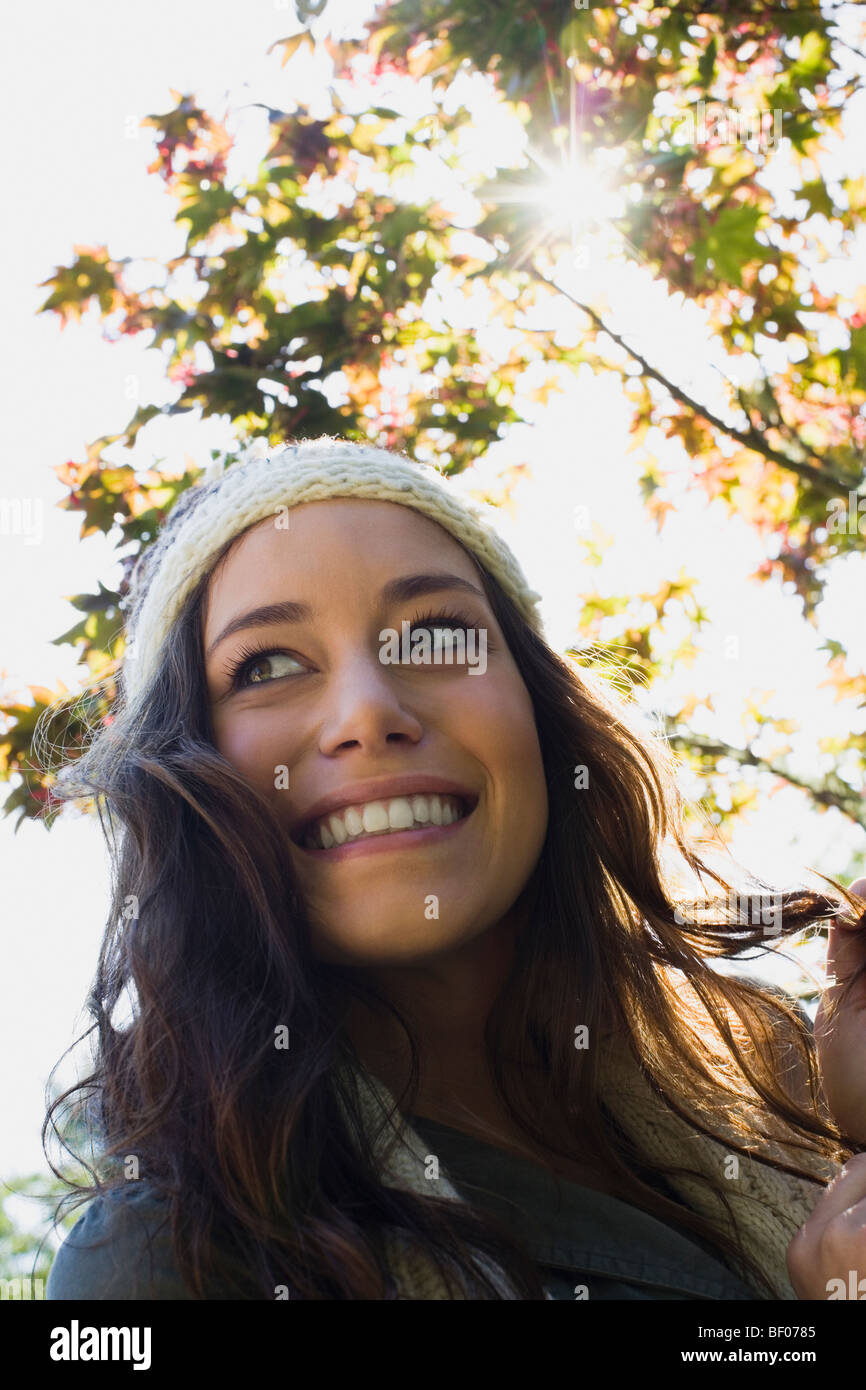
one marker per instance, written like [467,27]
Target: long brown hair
[261,1152]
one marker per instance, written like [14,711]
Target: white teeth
[400,815]
[383,817]
[338,830]
[375,817]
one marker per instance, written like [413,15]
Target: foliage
[27,1243]
[345,289]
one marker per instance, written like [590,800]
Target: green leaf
[813,55]
[816,195]
[854,357]
[707,64]
[205,210]
[729,242]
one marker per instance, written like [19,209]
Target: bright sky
[77,169]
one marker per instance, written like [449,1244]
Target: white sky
[74,83]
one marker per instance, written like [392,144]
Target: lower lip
[399,839]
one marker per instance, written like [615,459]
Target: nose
[364,708]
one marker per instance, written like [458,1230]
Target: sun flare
[580,197]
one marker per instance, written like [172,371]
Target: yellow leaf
[856,191]
[422,61]
[291,45]
[737,167]
[379,39]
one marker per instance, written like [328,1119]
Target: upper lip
[379,789]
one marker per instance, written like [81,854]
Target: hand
[827,1257]
[841,1042]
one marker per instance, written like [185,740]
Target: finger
[846,952]
[846,944]
[851,918]
[846,1190]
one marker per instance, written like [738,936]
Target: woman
[385,857]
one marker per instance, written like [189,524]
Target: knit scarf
[768,1206]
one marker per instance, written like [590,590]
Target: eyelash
[236,668]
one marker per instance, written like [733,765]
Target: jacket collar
[767,1206]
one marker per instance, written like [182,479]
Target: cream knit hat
[229,500]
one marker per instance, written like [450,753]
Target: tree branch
[829,791]
[817,473]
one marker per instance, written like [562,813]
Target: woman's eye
[444,637]
[259,670]
[450,637]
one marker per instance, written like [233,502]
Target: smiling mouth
[327,838]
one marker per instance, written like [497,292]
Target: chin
[368,943]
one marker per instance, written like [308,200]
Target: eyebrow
[409,586]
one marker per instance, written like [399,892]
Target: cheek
[506,740]
[261,754]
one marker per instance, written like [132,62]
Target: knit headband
[229,500]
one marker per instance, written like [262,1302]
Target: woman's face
[332,715]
